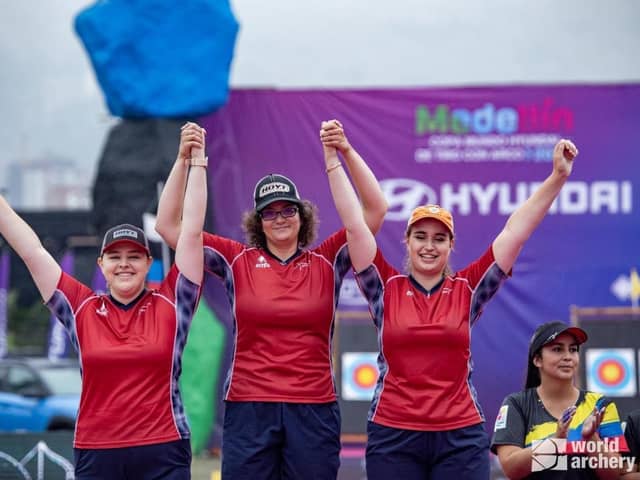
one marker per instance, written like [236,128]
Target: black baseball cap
[547,332]
[272,188]
[125,232]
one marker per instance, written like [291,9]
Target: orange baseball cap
[431,211]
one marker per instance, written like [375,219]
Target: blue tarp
[160,58]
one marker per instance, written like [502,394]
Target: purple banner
[58,345]
[479,152]
[98,282]
[5,261]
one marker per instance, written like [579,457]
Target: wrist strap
[333,167]
[199,162]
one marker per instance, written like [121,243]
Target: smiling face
[125,267]
[429,245]
[558,359]
[281,232]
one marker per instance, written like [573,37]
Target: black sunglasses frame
[292,210]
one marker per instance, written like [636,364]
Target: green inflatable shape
[200,369]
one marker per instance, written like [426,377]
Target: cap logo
[434,209]
[273,187]
[551,337]
[125,232]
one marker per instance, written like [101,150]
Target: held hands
[564,422]
[592,423]
[332,135]
[563,154]
[191,142]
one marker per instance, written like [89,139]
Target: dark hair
[255,237]
[448,271]
[539,339]
[533,373]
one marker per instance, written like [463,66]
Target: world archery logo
[549,454]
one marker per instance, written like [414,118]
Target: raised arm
[189,252]
[527,217]
[21,237]
[374,205]
[169,219]
[362,244]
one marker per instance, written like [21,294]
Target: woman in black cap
[552,407]
[131,421]
[281,417]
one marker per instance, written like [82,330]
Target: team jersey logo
[144,308]
[102,311]
[501,419]
[262,262]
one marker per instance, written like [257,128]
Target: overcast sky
[52,105]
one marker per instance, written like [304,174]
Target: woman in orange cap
[425,420]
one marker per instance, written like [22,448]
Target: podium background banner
[479,152]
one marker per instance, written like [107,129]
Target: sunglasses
[286,212]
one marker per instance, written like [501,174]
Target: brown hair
[254,234]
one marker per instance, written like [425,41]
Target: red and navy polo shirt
[130,359]
[424,344]
[283,316]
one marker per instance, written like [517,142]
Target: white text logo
[125,233]
[262,263]
[551,454]
[273,187]
[575,198]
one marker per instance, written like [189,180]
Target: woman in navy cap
[552,407]
[131,421]
[281,417]
[425,420]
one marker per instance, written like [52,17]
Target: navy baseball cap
[272,188]
[125,233]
